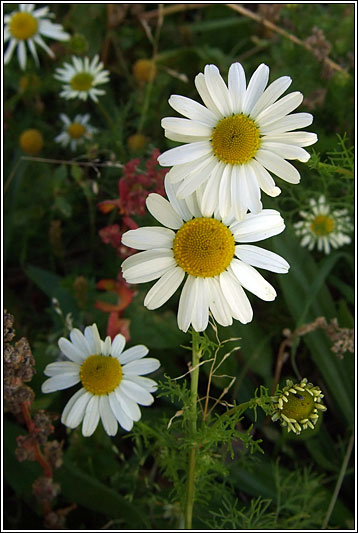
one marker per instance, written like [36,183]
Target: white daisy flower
[322,227]
[75,131]
[112,381]
[27,26]
[233,143]
[205,249]
[82,77]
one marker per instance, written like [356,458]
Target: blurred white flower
[323,227]
[75,131]
[27,26]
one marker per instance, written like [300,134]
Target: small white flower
[323,227]
[27,26]
[233,143]
[82,77]
[75,131]
[112,381]
[203,248]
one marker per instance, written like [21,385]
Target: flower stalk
[194,374]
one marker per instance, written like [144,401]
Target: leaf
[77,486]
[50,284]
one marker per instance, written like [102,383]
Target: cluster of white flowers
[244,133]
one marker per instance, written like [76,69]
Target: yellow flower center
[76,130]
[82,81]
[322,225]
[100,374]
[204,247]
[236,139]
[23,26]
[31,141]
[299,406]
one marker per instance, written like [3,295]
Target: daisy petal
[185,153]
[60,382]
[118,344]
[261,258]
[146,238]
[75,408]
[235,297]
[136,392]
[133,354]
[108,419]
[218,304]
[191,109]
[278,166]
[255,87]
[164,288]
[161,209]
[251,280]
[141,367]
[124,420]
[91,418]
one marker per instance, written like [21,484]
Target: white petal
[195,179]
[9,51]
[133,354]
[184,126]
[148,265]
[161,209]
[218,90]
[181,138]
[75,408]
[201,87]
[253,190]
[278,166]
[60,382]
[185,153]
[287,151]
[118,344]
[80,342]
[200,312]
[288,123]
[38,39]
[108,419]
[261,258]
[179,172]
[178,205]
[129,406]
[258,227]
[255,87]
[237,86]
[71,351]
[93,339]
[146,238]
[279,109]
[106,346]
[271,94]
[224,199]
[124,420]
[61,367]
[191,109]
[299,138]
[217,302]
[251,280]
[209,198]
[186,303]
[21,54]
[146,383]
[264,179]
[164,288]
[140,367]
[33,51]
[239,192]
[136,392]
[235,297]
[91,418]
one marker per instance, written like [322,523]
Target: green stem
[190,492]
[339,482]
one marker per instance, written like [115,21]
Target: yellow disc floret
[23,26]
[204,247]
[322,225]
[82,81]
[31,141]
[100,375]
[235,139]
[76,130]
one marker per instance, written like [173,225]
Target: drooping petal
[261,258]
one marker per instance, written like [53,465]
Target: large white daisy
[112,381]
[76,131]
[82,77]
[26,26]
[233,143]
[323,227]
[203,248]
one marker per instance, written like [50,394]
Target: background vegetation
[54,258]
